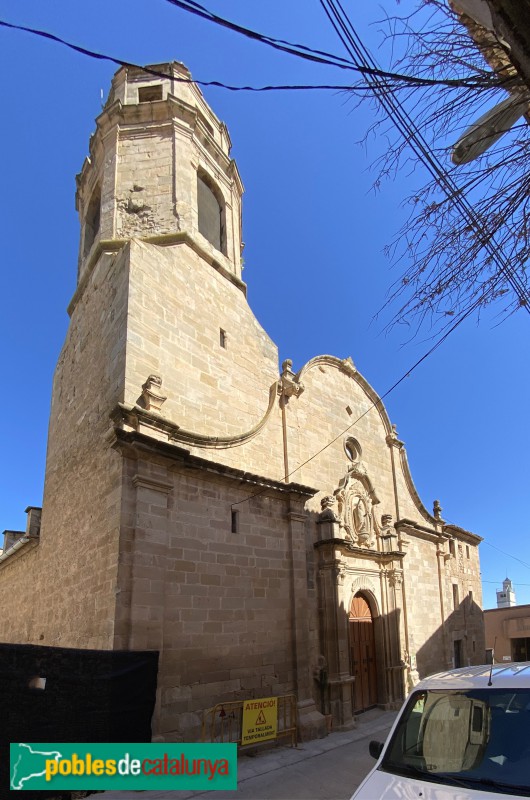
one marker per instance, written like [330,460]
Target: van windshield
[476,738]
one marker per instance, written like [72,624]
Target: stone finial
[437,510]
[328,504]
[152,397]
[289,385]
[393,438]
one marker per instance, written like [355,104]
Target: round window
[353,449]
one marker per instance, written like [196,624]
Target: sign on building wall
[260,720]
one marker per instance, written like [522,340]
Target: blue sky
[314,262]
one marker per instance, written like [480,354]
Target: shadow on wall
[461,639]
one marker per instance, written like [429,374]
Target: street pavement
[323,769]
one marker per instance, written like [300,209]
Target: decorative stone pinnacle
[152,397]
[437,510]
[289,386]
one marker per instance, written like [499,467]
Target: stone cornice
[150,483]
[135,416]
[149,116]
[460,533]
[160,240]
[415,528]
[347,366]
[179,457]
[360,552]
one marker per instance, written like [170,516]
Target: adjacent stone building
[258,527]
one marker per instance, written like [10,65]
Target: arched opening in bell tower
[211,212]
[92,220]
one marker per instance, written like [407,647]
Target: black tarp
[90,696]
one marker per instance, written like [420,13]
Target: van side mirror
[375,748]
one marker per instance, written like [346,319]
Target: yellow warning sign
[260,720]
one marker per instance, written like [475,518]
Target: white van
[461,735]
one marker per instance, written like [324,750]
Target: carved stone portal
[355,506]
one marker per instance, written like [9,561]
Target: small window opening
[452,547]
[235,521]
[37,683]
[467,551]
[147,94]
[349,411]
[455,596]
[223,338]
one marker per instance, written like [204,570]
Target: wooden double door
[362,651]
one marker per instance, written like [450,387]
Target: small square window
[147,94]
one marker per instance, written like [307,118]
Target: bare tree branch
[445,263]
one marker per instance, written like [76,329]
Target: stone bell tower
[159,318]
[160,166]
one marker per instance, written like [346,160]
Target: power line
[393,78]
[323,57]
[515,583]
[507,554]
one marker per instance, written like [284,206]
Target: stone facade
[248,523]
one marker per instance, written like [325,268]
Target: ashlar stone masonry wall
[70,577]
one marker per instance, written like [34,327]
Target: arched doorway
[362,653]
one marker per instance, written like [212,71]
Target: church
[256,525]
